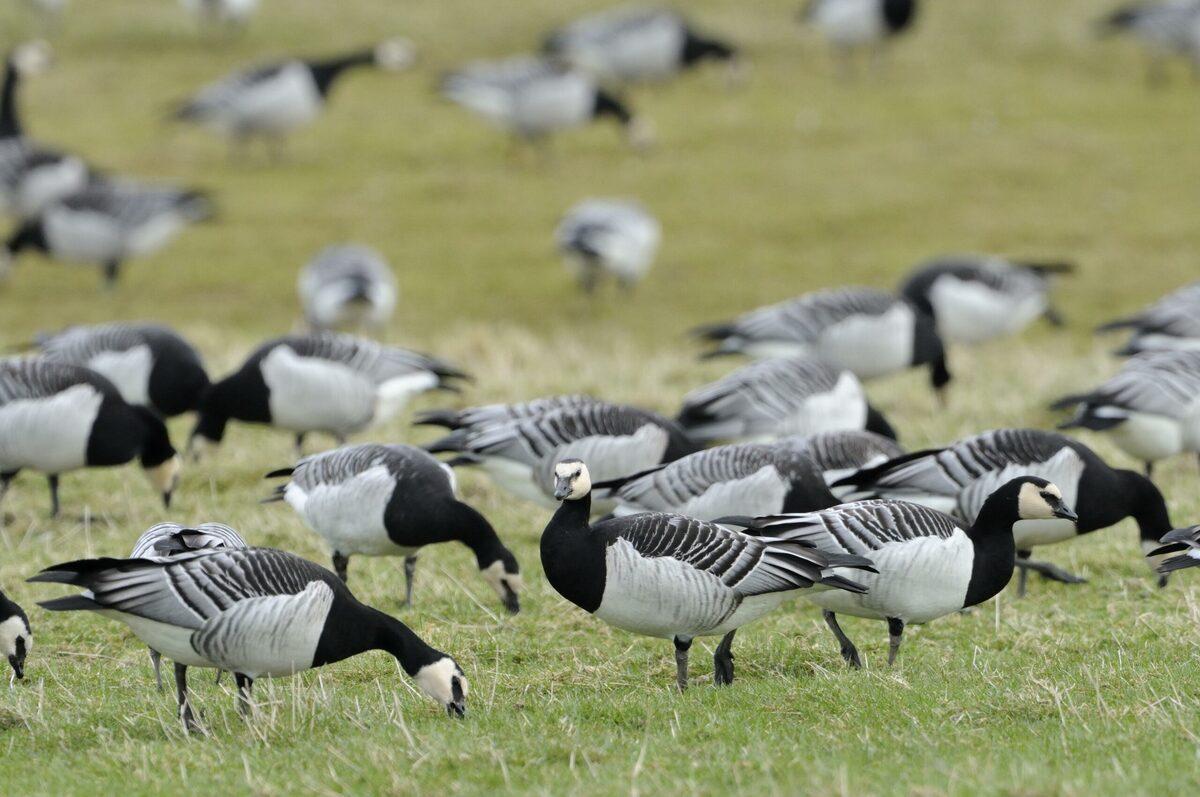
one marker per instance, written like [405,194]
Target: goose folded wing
[859,528]
[376,362]
[218,96]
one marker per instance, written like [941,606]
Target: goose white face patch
[441,680]
[11,630]
[1032,506]
[495,576]
[575,474]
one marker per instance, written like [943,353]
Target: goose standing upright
[838,454]
[16,637]
[347,285]
[1171,323]
[676,577]
[56,417]
[256,612]
[928,563]
[388,500]
[850,25]
[608,236]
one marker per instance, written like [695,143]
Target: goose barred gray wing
[1161,325]
[860,527]
[804,318]
[130,205]
[499,414]
[26,378]
[844,450]
[377,362]
[219,96]
[343,464]
[171,539]
[1160,383]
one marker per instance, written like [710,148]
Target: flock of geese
[777,481]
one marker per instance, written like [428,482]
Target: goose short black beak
[562,489]
[166,497]
[1064,512]
[18,668]
[512,604]
[456,709]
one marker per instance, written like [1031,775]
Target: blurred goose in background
[56,417]
[151,365]
[256,612]
[618,440]
[1150,408]
[927,564]
[327,382]
[838,454]
[1171,323]
[957,480]
[608,236]
[849,25]
[347,285]
[1166,28]
[16,637]
[496,414]
[862,330]
[534,97]
[676,577]
[393,500]
[766,400]
[977,298]
[234,13]
[107,223]
[636,45]
[273,100]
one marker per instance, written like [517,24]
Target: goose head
[394,55]
[1038,499]
[15,642]
[443,680]
[504,576]
[571,480]
[31,58]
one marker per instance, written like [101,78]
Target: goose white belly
[154,232]
[42,185]
[309,394]
[1031,533]
[870,346]
[129,370]
[850,23]
[918,580]
[172,641]
[83,235]
[1148,437]
[650,54]
[553,103]
[845,407]
[349,515]
[285,102]
[48,434]
[971,312]
[394,394]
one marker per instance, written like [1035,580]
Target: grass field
[1003,126]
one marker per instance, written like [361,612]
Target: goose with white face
[571,480]
[444,682]
[1043,503]
[506,582]
[15,644]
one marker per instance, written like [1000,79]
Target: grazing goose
[271,101]
[256,612]
[1150,408]
[1166,28]
[347,285]
[16,637]
[608,236]
[150,364]
[745,479]
[850,25]
[957,480]
[1177,540]
[534,97]
[929,563]
[675,577]
[766,400]
[392,500]
[494,414]
[977,298]
[617,440]
[838,454]
[1171,323]
[107,223]
[326,382]
[224,12]
[862,330]
[56,417]
[172,539]
[636,45]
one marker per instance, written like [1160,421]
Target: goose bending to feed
[849,25]
[1185,542]
[929,564]
[535,97]
[393,500]
[172,539]
[977,298]
[327,382]
[766,400]
[676,577]
[1150,408]
[273,100]
[497,414]
[1166,28]
[838,454]
[617,440]
[107,223]
[1171,323]
[256,612]
[150,364]
[862,330]
[16,637]
[957,480]
[608,236]
[347,285]
[56,417]
[745,479]
[637,45]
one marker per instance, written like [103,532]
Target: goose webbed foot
[849,651]
[723,661]
[410,571]
[895,632]
[1047,571]
[682,646]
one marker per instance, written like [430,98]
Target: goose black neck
[573,557]
[352,628]
[608,105]
[697,49]
[156,443]
[326,72]
[29,235]
[10,123]
[1146,505]
[396,638]
[995,548]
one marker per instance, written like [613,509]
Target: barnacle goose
[226,12]
[848,25]
[392,500]
[1148,408]
[534,97]
[326,382]
[492,414]
[151,365]
[347,285]
[839,454]
[1186,542]
[676,577]
[977,298]
[1173,322]
[256,612]
[172,539]
[16,637]
[1165,27]
[56,417]
[957,480]
[636,45]
[108,222]
[863,330]
[618,440]
[929,564]
[744,479]
[608,236]
[773,398]
[274,99]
